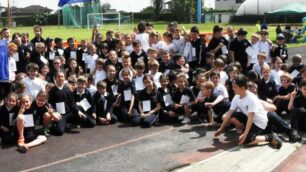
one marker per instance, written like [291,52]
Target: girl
[138,79]
[183,97]
[167,114]
[219,89]
[99,73]
[113,60]
[153,70]
[128,43]
[126,64]
[74,67]
[277,72]
[26,126]
[90,61]
[149,103]
[233,72]
[198,107]
[38,35]
[126,97]
[167,37]
[8,113]
[283,95]
[266,87]
[181,65]
[43,73]
[261,57]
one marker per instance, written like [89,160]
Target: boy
[103,103]
[198,47]
[261,57]
[33,84]
[85,103]
[252,114]
[138,54]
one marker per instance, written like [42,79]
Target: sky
[126,5]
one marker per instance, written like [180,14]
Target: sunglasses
[285,81]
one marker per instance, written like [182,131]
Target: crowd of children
[144,78]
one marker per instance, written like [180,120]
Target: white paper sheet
[140,59]
[28,120]
[60,108]
[127,95]
[184,99]
[73,54]
[120,60]
[60,52]
[146,106]
[115,89]
[295,73]
[11,119]
[139,84]
[16,57]
[193,52]
[51,55]
[167,99]
[84,55]
[43,59]
[85,104]
[224,49]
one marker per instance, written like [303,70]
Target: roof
[291,9]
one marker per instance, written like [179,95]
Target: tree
[183,10]
[158,6]
[105,7]
[40,18]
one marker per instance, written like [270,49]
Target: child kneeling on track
[26,126]
[149,103]
[252,114]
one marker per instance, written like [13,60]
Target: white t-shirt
[255,51]
[256,68]
[139,85]
[90,60]
[129,48]
[266,48]
[251,103]
[223,77]
[100,75]
[143,38]
[156,78]
[221,90]
[275,76]
[34,86]
[179,44]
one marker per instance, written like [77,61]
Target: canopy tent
[61,3]
[290,9]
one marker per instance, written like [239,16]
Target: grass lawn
[84,33]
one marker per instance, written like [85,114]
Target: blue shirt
[4,71]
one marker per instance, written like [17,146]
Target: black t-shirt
[229,87]
[103,103]
[142,56]
[178,95]
[40,111]
[200,48]
[79,97]
[214,42]
[109,84]
[285,91]
[163,92]
[154,97]
[118,65]
[239,47]
[5,115]
[299,101]
[122,88]
[266,90]
[279,51]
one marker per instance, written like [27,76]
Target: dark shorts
[254,131]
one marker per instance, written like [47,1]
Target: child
[280,49]
[166,64]
[149,104]
[126,97]
[138,54]
[32,82]
[12,68]
[90,60]
[38,35]
[38,55]
[265,45]
[252,115]
[126,64]
[283,95]
[104,105]
[180,65]
[142,37]
[99,73]
[214,105]
[277,72]
[198,48]
[82,53]
[112,81]
[62,99]
[44,112]
[113,60]
[178,40]
[90,84]
[8,114]
[153,70]
[297,65]
[266,87]
[261,57]
[85,104]
[74,67]
[138,79]
[210,57]
[128,43]
[71,51]
[27,135]
[253,51]
[168,45]
[198,107]
[218,44]
[297,106]
[300,77]
[219,89]
[233,72]
[19,88]
[152,54]
[167,114]
[219,68]
[183,97]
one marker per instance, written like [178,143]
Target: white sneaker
[186,120]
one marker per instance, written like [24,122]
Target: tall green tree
[158,6]
[183,10]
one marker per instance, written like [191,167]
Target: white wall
[225,17]
[226,5]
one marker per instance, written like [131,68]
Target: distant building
[223,4]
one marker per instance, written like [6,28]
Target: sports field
[84,33]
